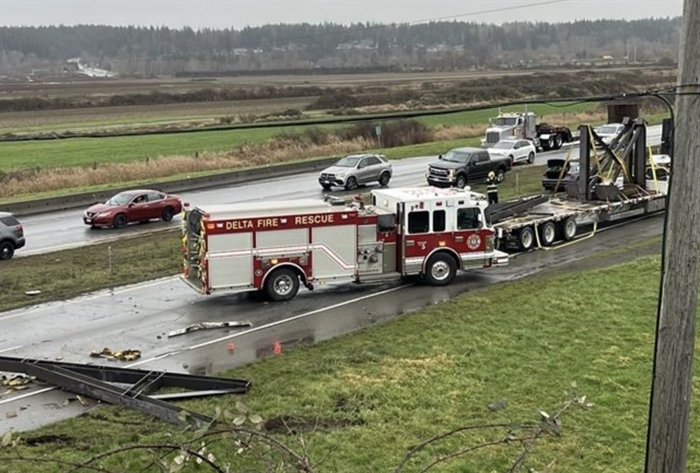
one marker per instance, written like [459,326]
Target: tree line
[145,51]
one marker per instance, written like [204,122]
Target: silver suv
[11,235]
[356,169]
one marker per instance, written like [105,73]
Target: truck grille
[493,137]
[438,172]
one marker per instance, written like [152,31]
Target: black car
[461,166]
[560,171]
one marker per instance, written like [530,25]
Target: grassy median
[498,355]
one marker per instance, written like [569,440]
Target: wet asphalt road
[141,317]
[65,229]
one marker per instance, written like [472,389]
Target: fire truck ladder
[93,381]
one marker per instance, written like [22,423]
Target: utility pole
[669,408]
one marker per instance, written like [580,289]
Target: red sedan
[139,205]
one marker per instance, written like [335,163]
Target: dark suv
[11,235]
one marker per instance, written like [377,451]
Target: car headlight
[103,214]
[452,172]
[340,175]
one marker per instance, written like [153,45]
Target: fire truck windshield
[348,162]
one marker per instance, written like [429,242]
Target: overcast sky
[240,13]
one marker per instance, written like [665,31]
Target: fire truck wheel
[548,233]
[384,179]
[569,228]
[526,238]
[119,221]
[351,184]
[282,285]
[440,270]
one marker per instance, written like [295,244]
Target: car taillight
[20,228]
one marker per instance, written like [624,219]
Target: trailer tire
[569,228]
[557,141]
[548,233]
[440,270]
[281,285]
[526,238]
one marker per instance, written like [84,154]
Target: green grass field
[361,401]
[85,152]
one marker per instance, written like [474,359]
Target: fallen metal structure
[95,382]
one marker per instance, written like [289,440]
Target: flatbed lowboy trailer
[611,187]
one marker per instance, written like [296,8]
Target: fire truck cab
[274,247]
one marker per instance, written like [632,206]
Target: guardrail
[52,204]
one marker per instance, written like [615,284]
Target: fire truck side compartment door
[230,260]
[334,251]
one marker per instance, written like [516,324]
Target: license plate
[87,220]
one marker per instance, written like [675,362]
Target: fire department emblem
[473,242]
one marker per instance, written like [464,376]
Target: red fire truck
[274,247]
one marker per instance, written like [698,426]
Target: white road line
[239,334]
[270,325]
[11,348]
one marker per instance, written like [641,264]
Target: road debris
[209,326]
[124,355]
[14,383]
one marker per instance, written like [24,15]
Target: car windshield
[504,145]
[506,121]
[455,157]
[348,162]
[120,199]
[607,130]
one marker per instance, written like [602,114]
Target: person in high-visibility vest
[492,188]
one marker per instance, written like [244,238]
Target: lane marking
[11,348]
[271,324]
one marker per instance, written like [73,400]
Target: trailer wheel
[526,238]
[440,270]
[282,285]
[569,228]
[557,141]
[548,233]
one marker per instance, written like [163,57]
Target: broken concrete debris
[123,355]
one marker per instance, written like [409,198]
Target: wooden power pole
[669,409]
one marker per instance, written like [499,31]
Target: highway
[65,229]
